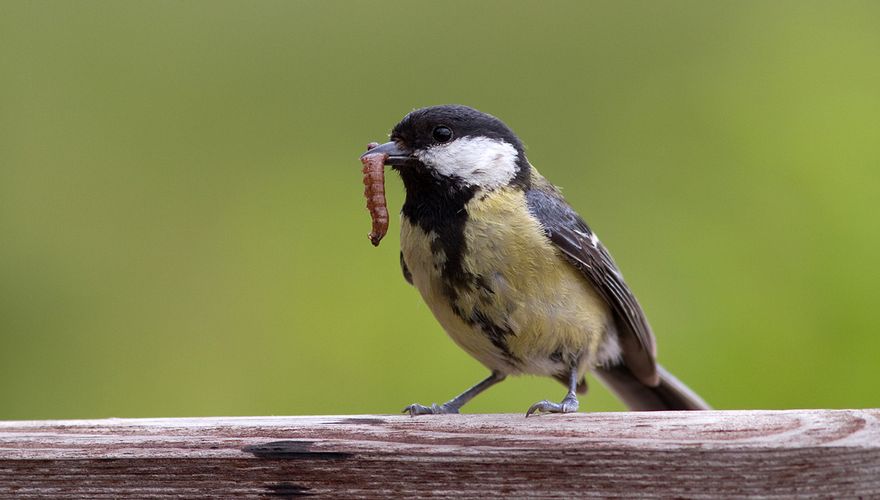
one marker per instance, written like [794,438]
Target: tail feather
[669,394]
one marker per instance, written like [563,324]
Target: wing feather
[580,246]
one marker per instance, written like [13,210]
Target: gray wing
[565,228]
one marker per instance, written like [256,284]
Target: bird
[511,272]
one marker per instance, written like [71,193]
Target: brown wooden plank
[717,454]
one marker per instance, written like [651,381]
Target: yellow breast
[522,308]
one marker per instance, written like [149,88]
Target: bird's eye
[442,133]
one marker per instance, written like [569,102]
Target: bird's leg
[455,404]
[568,405]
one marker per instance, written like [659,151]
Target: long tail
[670,394]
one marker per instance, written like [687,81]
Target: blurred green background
[182,228]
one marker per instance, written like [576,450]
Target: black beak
[397,155]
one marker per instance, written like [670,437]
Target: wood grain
[714,454]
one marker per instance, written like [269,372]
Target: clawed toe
[540,406]
[568,405]
[434,409]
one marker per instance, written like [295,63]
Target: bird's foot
[435,409]
[568,405]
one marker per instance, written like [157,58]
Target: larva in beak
[374,191]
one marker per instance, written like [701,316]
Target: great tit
[512,273]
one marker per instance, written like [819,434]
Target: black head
[419,129]
[459,146]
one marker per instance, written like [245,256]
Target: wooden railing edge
[805,453]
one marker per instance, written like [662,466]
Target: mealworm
[374,191]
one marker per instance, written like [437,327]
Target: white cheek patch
[476,161]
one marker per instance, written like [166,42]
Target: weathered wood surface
[717,454]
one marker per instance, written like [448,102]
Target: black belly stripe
[438,206]
[496,333]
